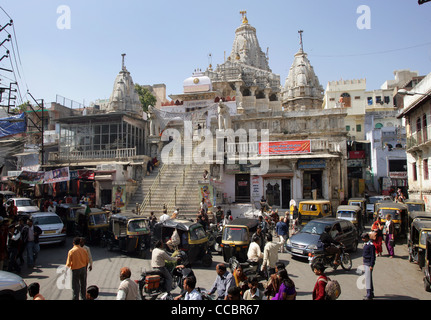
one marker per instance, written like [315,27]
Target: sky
[165,41]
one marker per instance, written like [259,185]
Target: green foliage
[145,96]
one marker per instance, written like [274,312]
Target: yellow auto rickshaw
[313,209]
[427,266]
[67,213]
[91,223]
[130,233]
[236,238]
[362,203]
[415,205]
[352,213]
[420,229]
[399,216]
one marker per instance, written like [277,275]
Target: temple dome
[198,82]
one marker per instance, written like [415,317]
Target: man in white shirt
[128,289]
[191,292]
[90,263]
[164,216]
[254,254]
[158,258]
[270,254]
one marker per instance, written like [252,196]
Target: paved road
[393,278]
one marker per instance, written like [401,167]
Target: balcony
[114,154]
[419,139]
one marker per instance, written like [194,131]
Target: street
[394,279]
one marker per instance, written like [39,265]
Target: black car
[308,239]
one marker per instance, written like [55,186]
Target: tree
[145,96]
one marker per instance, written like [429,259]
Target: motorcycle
[328,260]
[214,237]
[249,269]
[152,283]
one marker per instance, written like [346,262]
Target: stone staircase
[176,187]
[142,190]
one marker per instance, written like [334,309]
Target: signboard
[285,147]
[206,191]
[311,163]
[356,154]
[119,196]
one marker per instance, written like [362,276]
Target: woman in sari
[377,228]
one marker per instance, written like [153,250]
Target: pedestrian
[270,255]
[389,233]
[260,237]
[77,261]
[369,259]
[241,278]
[30,235]
[287,290]
[253,292]
[234,293]
[314,189]
[34,291]
[191,292]
[204,205]
[4,226]
[92,292]
[228,217]
[254,254]
[377,229]
[282,230]
[128,289]
[219,215]
[223,282]
[164,216]
[322,280]
[273,283]
[14,238]
[21,245]
[90,257]
[158,258]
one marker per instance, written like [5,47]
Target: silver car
[25,206]
[12,287]
[53,229]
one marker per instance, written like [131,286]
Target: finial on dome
[300,40]
[123,67]
[244,16]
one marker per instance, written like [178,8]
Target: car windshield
[24,203]
[345,214]
[138,225]
[96,219]
[424,235]
[235,234]
[46,220]
[373,200]
[314,227]
[355,203]
[197,232]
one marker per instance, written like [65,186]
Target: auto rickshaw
[352,213]
[362,203]
[91,223]
[415,205]
[194,240]
[236,237]
[420,229]
[427,267]
[313,209]
[130,233]
[399,214]
[67,213]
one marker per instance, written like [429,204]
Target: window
[379,100]
[378,126]
[358,128]
[387,99]
[345,100]
[424,125]
[425,168]
[419,129]
[370,101]
[347,128]
[415,174]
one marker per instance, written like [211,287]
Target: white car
[53,229]
[25,206]
[12,287]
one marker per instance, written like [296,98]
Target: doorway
[242,188]
[309,176]
[286,194]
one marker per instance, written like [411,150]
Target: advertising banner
[206,191]
[284,147]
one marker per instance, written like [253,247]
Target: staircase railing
[173,200]
[154,185]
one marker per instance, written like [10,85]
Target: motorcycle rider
[330,246]
[158,258]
